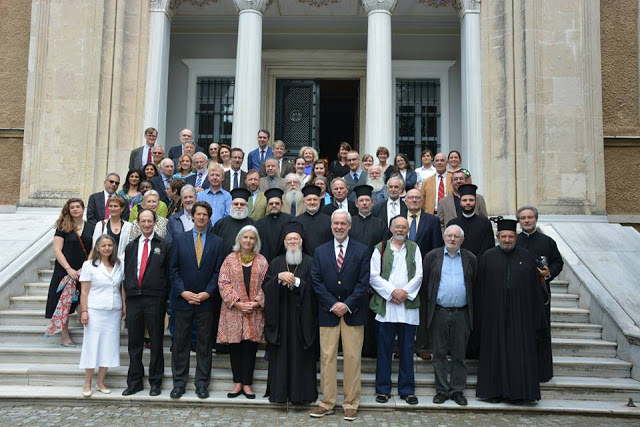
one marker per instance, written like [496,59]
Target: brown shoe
[350,414]
[320,412]
[424,355]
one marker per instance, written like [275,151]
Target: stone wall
[15,22]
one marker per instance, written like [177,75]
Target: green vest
[377,304]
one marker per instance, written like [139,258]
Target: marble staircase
[588,375]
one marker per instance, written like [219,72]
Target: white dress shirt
[104,291]
[398,279]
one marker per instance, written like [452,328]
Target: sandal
[382,398]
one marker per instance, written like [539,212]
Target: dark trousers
[243,361]
[172,324]
[182,347]
[450,333]
[147,310]
[387,333]
[423,336]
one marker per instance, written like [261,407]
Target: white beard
[236,214]
[294,258]
[377,184]
[399,238]
[293,196]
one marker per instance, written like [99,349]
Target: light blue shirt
[203,237]
[452,292]
[220,202]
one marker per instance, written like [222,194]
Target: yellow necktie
[199,248]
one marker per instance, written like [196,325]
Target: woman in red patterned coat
[241,316]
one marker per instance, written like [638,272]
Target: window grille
[214,110]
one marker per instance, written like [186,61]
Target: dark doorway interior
[339,114]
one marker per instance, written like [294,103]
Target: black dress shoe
[440,398]
[249,395]
[132,390]
[193,347]
[236,394]
[459,398]
[155,390]
[177,392]
[202,392]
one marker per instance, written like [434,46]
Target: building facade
[515,86]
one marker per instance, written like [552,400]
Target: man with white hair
[199,179]
[291,322]
[339,191]
[292,199]
[376,181]
[449,275]
[185,135]
[394,205]
[228,227]
[160,182]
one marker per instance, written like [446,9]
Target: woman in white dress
[102,302]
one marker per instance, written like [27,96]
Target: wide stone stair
[588,375]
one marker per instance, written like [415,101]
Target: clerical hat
[467,190]
[363,190]
[292,227]
[240,193]
[507,225]
[273,192]
[309,190]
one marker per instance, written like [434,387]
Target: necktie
[293,208]
[412,229]
[143,261]
[148,156]
[441,188]
[394,211]
[262,156]
[355,177]
[107,212]
[199,248]
[340,258]
[199,180]
[235,180]
[272,182]
[250,204]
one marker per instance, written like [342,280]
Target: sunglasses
[113,182]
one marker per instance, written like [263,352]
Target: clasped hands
[193,298]
[246,307]
[339,309]
[287,279]
[398,296]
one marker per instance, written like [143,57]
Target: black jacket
[155,281]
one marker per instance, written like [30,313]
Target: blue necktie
[293,209]
[355,177]
[235,180]
[199,180]
[262,156]
[412,229]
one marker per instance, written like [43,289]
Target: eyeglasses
[151,136]
[465,172]
[113,182]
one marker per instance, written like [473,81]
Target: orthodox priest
[229,226]
[270,227]
[317,225]
[291,323]
[509,303]
[478,232]
[540,245]
[368,230]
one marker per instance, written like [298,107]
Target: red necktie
[148,156]
[340,258]
[441,188]
[143,261]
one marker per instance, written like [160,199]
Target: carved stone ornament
[466,5]
[370,5]
[437,3]
[318,3]
[257,5]
[199,3]
[170,6]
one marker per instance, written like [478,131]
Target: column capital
[373,5]
[466,6]
[170,7]
[257,5]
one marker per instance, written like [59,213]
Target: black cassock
[539,244]
[317,230]
[270,228]
[369,231]
[228,228]
[508,301]
[478,233]
[292,334]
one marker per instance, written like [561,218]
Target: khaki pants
[352,337]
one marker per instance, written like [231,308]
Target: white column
[379,103]
[471,79]
[246,99]
[155,101]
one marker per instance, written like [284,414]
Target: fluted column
[155,102]
[379,105]
[471,82]
[246,98]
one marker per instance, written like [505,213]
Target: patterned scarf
[60,316]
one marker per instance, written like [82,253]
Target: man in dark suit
[199,179]
[393,206]
[160,182]
[186,135]
[448,277]
[182,220]
[424,228]
[339,190]
[284,167]
[235,177]
[258,156]
[98,208]
[356,176]
[146,284]
[142,155]
[340,279]
[196,258]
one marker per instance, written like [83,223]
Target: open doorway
[338,115]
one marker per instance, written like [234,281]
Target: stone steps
[559,286]
[585,388]
[45,275]
[37,288]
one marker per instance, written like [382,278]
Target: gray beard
[235,214]
[294,258]
[294,196]
[377,184]
[504,249]
[399,238]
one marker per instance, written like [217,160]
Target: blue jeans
[387,333]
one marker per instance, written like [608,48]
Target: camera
[542,262]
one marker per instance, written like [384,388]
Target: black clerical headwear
[467,190]
[240,193]
[273,192]
[311,190]
[507,225]
[363,190]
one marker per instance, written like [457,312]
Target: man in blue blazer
[258,156]
[196,257]
[340,279]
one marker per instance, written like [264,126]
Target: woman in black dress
[339,166]
[71,247]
